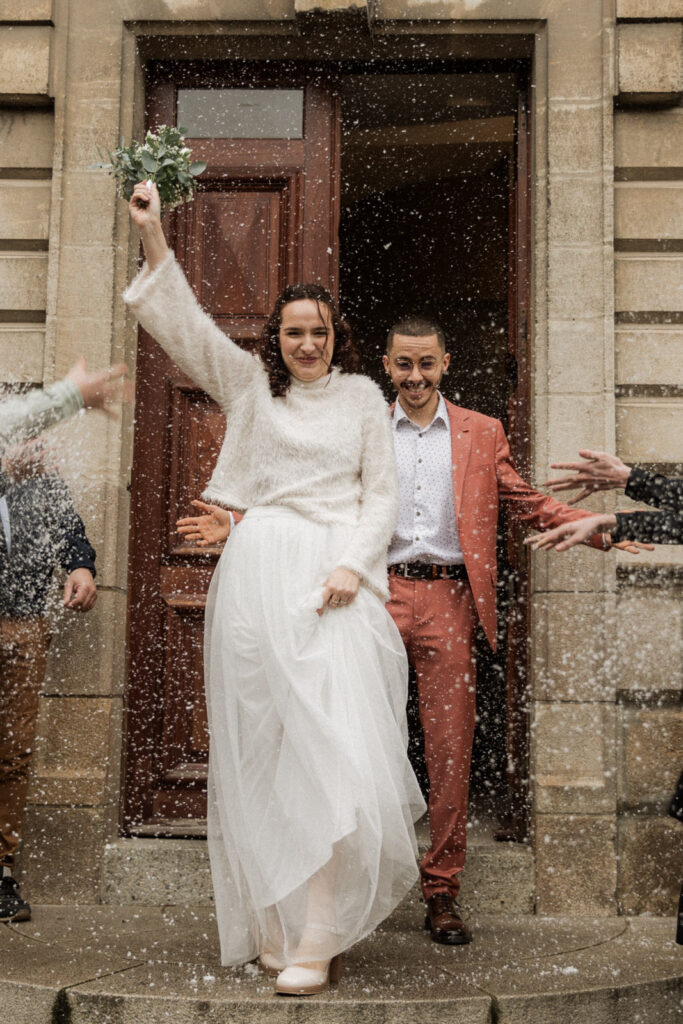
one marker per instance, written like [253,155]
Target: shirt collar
[441,415]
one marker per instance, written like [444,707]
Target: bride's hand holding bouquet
[145,212]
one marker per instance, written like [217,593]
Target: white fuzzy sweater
[324,450]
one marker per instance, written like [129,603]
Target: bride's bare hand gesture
[210,529]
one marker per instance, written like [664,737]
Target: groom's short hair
[417,327]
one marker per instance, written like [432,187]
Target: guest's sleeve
[655,489]
[379,500]
[74,549]
[165,305]
[649,527]
[26,416]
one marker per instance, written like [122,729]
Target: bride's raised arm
[165,305]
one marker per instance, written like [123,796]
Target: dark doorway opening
[428,186]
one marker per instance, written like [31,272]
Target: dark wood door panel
[265,216]
[198,427]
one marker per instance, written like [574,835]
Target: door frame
[277,72]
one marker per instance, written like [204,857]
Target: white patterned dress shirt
[427,530]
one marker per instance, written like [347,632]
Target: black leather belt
[427,571]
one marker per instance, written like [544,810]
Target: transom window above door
[241,113]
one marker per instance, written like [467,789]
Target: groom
[454,468]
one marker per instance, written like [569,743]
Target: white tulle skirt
[311,796]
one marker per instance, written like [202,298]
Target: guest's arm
[76,554]
[663,492]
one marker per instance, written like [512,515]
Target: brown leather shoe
[444,921]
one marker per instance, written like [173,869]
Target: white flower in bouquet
[161,158]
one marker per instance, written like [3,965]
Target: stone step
[498,877]
[128,965]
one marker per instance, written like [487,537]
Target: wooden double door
[267,214]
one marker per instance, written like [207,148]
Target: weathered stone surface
[649,8]
[189,10]
[650,858]
[563,669]
[573,205]
[650,60]
[649,354]
[601,983]
[575,136]
[163,967]
[23,279]
[577,31]
[649,648]
[62,852]
[576,867]
[498,877]
[581,570]
[156,872]
[575,356]
[21,352]
[88,218]
[574,758]
[653,282]
[649,139]
[71,762]
[88,651]
[498,881]
[649,430]
[25,10]
[85,280]
[574,421]
[25,64]
[575,284]
[648,210]
[651,758]
[330,6]
[26,138]
[24,209]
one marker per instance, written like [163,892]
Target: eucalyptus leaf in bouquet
[162,158]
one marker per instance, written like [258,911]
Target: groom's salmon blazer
[483,476]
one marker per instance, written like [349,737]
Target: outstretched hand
[600,472]
[580,531]
[210,529]
[102,389]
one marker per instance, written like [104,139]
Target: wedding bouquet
[162,158]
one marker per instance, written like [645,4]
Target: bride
[311,797]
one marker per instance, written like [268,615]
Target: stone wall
[648,232]
[606,352]
[53,306]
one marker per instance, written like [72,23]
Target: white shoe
[270,964]
[307,981]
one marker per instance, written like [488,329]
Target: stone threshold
[127,965]
[498,877]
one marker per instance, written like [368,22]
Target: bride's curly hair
[345,354]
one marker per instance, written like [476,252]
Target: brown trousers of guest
[23,655]
[437,620]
